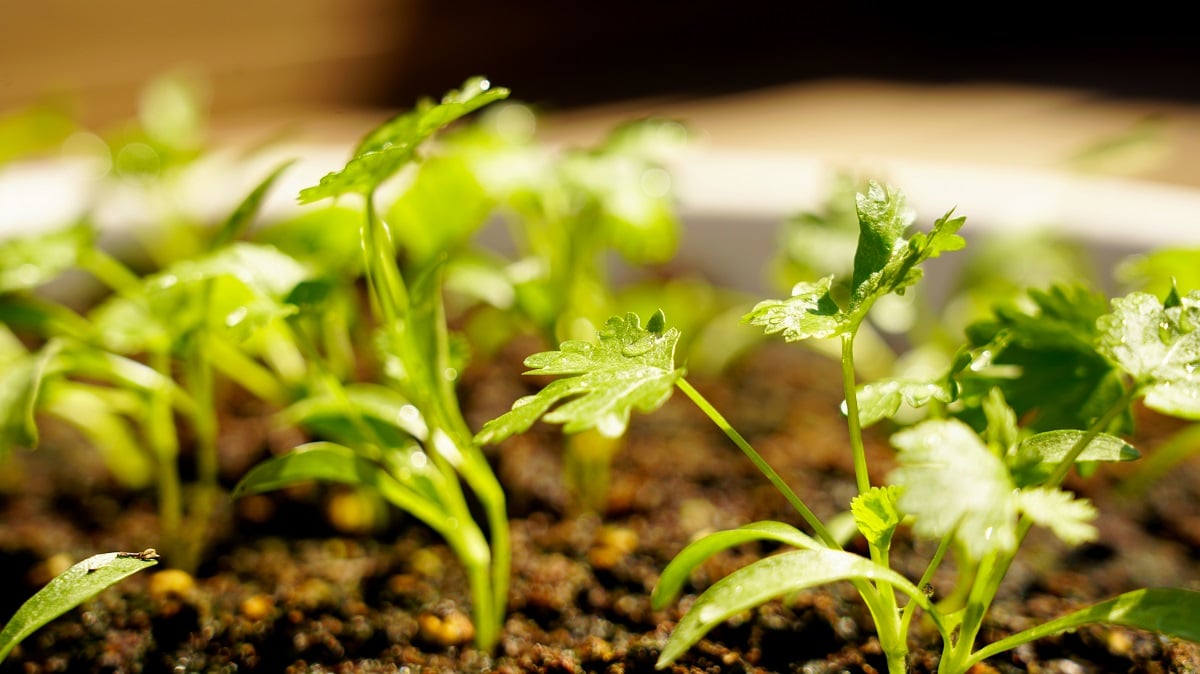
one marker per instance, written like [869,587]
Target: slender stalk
[926,578]
[817,526]
[204,422]
[892,635]
[850,390]
[163,441]
[993,569]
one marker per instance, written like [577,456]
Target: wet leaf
[631,368]
[767,579]
[677,572]
[70,589]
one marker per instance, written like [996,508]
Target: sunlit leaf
[1173,612]
[1159,347]
[673,578]
[27,262]
[876,514]
[809,313]
[70,589]
[393,144]
[952,484]
[631,368]
[768,579]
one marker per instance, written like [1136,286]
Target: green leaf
[880,214]
[364,401]
[883,218]
[673,578]
[410,488]
[243,216]
[27,262]
[1050,447]
[882,399]
[885,262]
[236,290]
[1158,271]
[1159,347]
[632,367]
[952,484]
[769,578]
[1068,517]
[877,515]
[70,589]
[810,313]
[20,387]
[1044,359]
[1173,612]
[393,144]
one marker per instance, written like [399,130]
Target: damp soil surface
[293,583]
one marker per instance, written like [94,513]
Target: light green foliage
[392,145]
[630,368]
[1044,359]
[886,262]
[70,589]
[27,262]
[1159,346]
[1158,271]
[876,514]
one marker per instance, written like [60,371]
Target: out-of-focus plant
[405,436]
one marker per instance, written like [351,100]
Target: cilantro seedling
[977,484]
[407,438]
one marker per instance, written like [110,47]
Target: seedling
[977,489]
[407,439]
[70,589]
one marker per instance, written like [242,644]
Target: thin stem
[200,384]
[817,526]
[993,569]
[850,389]
[926,578]
[163,440]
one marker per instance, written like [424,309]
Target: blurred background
[263,54]
[1006,85]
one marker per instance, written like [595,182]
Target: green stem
[994,567]
[200,384]
[817,526]
[926,578]
[850,389]
[889,626]
[164,442]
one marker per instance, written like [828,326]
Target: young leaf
[330,462]
[389,147]
[876,514]
[773,577]
[1065,515]
[70,589]
[1159,347]
[243,216]
[1063,381]
[882,399]
[883,218]
[671,582]
[810,313]
[885,262]
[1173,612]
[27,262]
[952,484]
[632,367]
[20,386]
[1050,447]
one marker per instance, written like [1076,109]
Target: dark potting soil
[284,589]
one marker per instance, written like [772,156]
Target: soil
[285,590]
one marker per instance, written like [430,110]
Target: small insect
[145,555]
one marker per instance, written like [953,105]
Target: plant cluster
[339,321]
[970,475]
